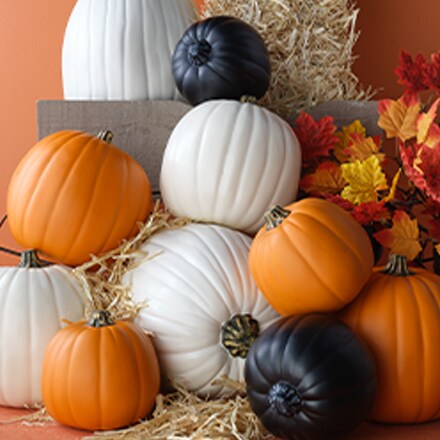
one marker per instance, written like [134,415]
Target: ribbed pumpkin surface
[74,194]
[399,318]
[33,303]
[122,49]
[316,260]
[227,162]
[100,378]
[197,280]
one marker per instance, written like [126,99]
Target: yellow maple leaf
[327,179]
[344,138]
[403,238]
[425,121]
[365,178]
[399,118]
[361,148]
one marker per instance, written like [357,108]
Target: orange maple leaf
[344,138]
[399,118]
[425,134]
[361,148]
[327,179]
[403,237]
[437,248]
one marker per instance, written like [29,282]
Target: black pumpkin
[221,58]
[310,378]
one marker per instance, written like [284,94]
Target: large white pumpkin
[202,304]
[228,162]
[122,49]
[33,303]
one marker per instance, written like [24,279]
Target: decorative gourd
[309,377]
[203,306]
[34,300]
[73,195]
[100,374]
[221,58]
[122,49]
[398,316]
[227,162]
[310,257]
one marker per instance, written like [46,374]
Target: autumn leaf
[410,72]
[429,165]
[344,139]
[370,212]
[403,238]
[431,72]
[392,193]
[408,155]
[317,138]
[424,124]
[338,200]
[434,228]
[437,248]
[365,179]
[361,148]
[326,179]
[399,118]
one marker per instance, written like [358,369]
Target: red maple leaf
[434,228]
[430,166]
[370,212]
[411,73]
[431,72]
[338,200]
[317,138]
[408,154]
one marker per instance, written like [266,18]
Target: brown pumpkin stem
[275,216]
[29,259]
[248,99]
[105,135]
[397,266]
[238,334]
[100,318]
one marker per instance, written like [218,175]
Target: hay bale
[311,48]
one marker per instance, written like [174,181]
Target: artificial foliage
[391,188]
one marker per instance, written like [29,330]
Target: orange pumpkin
[74,194]
[310,257]
[100,374]
[398,316]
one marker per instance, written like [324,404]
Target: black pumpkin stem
[285,398]
[397,266]
[30,260]
[238,334]
[199,53]
[100,318]
[105,135]
[275,216]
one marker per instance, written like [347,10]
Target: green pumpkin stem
[275,216]
[30,260]
[100,318]
[397,266]
[105,135]
[238,334]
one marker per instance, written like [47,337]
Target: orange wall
[31,35]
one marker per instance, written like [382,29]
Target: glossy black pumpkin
[221,58]
[310,378]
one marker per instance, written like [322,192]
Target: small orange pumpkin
[74,195]
[100,374]
[310,257]
[398,316]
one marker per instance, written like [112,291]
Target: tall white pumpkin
[202,304]
[228,162]
[33,302]
[122,49]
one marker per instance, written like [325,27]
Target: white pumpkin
[228,162]
[33,302]
[202,304]
[122,49]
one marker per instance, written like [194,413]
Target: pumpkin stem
[285,398]
[29,259]
[397,266]
[100,318]
[238,334]
[105,135]
[199,53]
[275,216]
[249,98]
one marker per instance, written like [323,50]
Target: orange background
[31,34]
